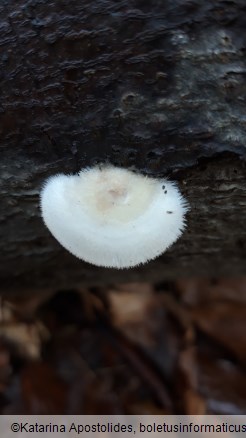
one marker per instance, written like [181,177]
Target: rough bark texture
[157,85]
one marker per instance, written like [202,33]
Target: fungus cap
[113,217]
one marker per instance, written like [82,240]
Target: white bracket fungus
[113,217]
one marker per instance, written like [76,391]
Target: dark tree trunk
[157,85]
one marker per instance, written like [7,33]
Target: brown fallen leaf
[42,390]
[225,322]
[135,311]
[222,384]
[195,291]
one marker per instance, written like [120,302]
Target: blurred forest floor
[175,348]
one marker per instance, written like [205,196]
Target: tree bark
[155,85]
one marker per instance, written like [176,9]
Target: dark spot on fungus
[165,191]
[163,187]
[169,212]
